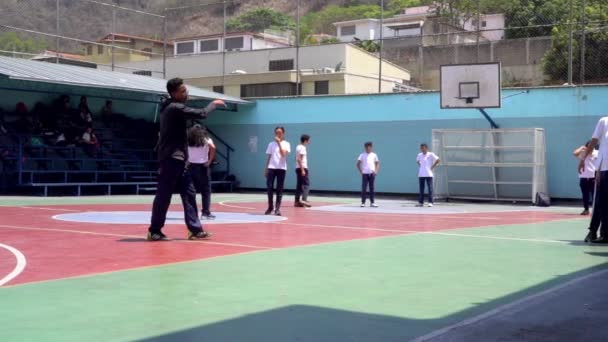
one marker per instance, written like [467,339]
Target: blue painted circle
[173,217]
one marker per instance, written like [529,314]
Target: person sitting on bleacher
[89,141]
[107,113]
[85,113]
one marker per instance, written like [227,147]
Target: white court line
[223,203]
[208,242]
[504,308]
[51,209]
[413,232]
[21,263]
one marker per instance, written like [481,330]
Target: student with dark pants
[302,175]
[599,218]
[368,165]
[276,168]
[587,177]
[427,162]
[201,153]
[172,150]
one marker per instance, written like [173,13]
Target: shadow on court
[554,316]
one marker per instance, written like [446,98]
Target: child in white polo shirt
[427,162]
[368,165]
[276,168]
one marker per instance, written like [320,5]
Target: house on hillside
[128,49]
[63,58]
[331,69]
[239,41]
[424,27]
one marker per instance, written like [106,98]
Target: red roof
[127,38]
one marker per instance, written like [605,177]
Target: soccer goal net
[490,164]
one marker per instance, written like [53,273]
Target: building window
[89,50]
[281,65]
[147,52]
[268,89]
[484,23]
[210,45]
[218,89]
[348,30]
[234,43]
[184,48]
[321,87]
[143,73]
[100,49]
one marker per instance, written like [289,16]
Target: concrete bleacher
[122,164]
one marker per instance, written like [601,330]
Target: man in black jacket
[172,149]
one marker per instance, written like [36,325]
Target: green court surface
[383,288]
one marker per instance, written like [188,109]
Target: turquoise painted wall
[397,124]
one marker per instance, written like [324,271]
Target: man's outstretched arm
[197,113]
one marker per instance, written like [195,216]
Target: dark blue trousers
[368,180]
[173,174]
[429,185]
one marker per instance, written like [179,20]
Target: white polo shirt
[601,134]
[426,163]
[368,162]
[199,155]
[301,150]
[277,161]
[589,165]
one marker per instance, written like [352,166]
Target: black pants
[429,186]
[302,185]
[368,180]
[172,174]
[599,219]
[587,188]
[279,175]
[201,176]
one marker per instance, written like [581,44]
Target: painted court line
[412,232]
[223,203]
[19,267]
[208,242]
[506,307]
[49,208]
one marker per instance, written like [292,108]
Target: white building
[243,41]
[418,21]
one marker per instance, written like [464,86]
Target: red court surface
[59,249]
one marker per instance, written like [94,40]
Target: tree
[555,61]
[368,45]
[260,19]
[11,41]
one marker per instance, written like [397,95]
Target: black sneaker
[601,239]
[198,236]
[277,212]
[268,211]
[156,237]
[592,236]
[208,216]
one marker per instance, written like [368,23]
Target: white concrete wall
[365,31]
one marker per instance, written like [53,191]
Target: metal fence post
[570,41]
[583,42]
[478,35]
[224,29]
[381,46]
[57,29]
[113,35]
[298,80]
[165,44]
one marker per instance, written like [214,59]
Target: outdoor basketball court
[334,272]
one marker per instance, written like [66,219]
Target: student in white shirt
[368,165]
[276,168]
[303,182]
[201,154]
[427,162]
[587,177]
[600,207]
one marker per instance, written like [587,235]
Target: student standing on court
[368,165]
[303,182]
[201,153]
[427,162]
[600,136]
[276,169]
[172,150]
[587,177]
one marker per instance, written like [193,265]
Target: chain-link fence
[256,48]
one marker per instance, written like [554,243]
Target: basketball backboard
[470,86]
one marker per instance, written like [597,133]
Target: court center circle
[173,217]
